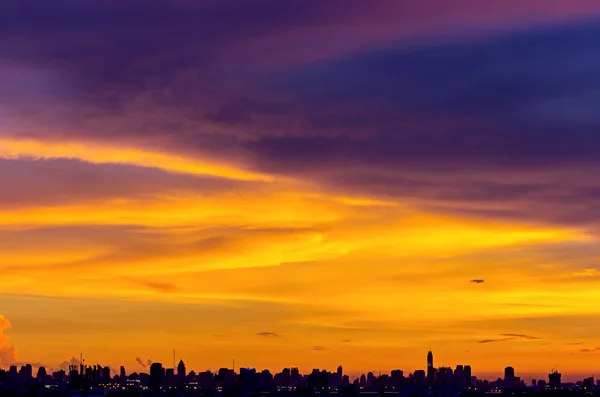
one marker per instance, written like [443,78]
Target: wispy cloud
[268,334]
[591,350]
[495,340]
[521,336]
[509,338]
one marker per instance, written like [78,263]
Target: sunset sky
[301,183]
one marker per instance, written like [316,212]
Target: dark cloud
[318,348]
[509,338]
[495,340]
[501,126]
[590,350]
[457,125]
[268,334]
[477,281]
[521,336]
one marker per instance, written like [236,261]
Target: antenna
[173,359]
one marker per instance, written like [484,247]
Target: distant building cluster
[432,382]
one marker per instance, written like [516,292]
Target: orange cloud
[8,353]
[106,154]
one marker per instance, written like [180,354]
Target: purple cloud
[493,127]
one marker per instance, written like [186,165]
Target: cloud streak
[268,334]
[509,338]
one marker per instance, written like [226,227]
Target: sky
[301,183]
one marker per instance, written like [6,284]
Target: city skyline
[301,182]
[159,378]
[430,371]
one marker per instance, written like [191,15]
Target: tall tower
[468,375]
[430,368]
[181,372]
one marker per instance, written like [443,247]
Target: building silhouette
[430,368]
[468,375]
[554,379]
[509,373]
[458,379]
[157,374]
[181,372]
[41,375]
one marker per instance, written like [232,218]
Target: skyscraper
[181,372]
[467,370]
[295,377]
[41,374]
[554,379]
[106,374]
[27,373]
[509,373]
[430,368]
[445,376]
[459,377]
[156,376]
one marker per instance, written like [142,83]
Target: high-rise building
[371,380]
[170,379]
[509,373]
[419,377]
[41,374]
[181,372]
[467,370]
[459,377]
[106,374]
[27,373]
[363,381]
[339,376]
[397,378]
[445,376]
[430,368]
[248,379]
[554,379]
[295,377]
[156,376]
[345,381]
